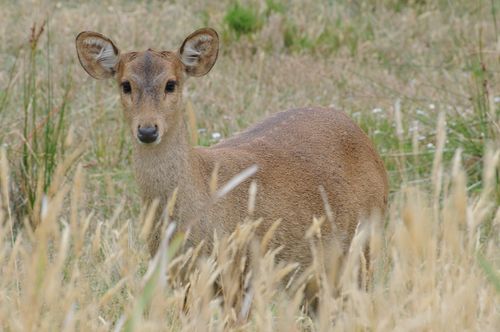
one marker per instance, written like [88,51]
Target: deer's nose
[147,134]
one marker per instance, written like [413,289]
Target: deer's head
[151,81]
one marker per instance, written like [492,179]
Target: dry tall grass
[64,168]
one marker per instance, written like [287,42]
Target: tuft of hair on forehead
[131,55]
[169,55]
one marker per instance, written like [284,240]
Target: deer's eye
[170,87]
[126,88]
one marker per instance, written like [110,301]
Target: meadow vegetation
[421,77]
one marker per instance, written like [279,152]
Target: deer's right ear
[97,54]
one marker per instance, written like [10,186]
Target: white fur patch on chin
[158,140]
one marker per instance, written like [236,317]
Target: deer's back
[298,151]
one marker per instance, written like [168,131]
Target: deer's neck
[171,164]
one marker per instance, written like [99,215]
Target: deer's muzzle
[147,134]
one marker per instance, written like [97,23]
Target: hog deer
[304,156]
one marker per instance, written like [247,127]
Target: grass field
[421,77]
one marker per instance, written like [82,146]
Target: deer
[306,158]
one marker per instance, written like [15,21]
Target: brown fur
[296,151]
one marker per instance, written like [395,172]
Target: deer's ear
[98,55]
[199,51]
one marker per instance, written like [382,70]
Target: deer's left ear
[199,51]
[98,55]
